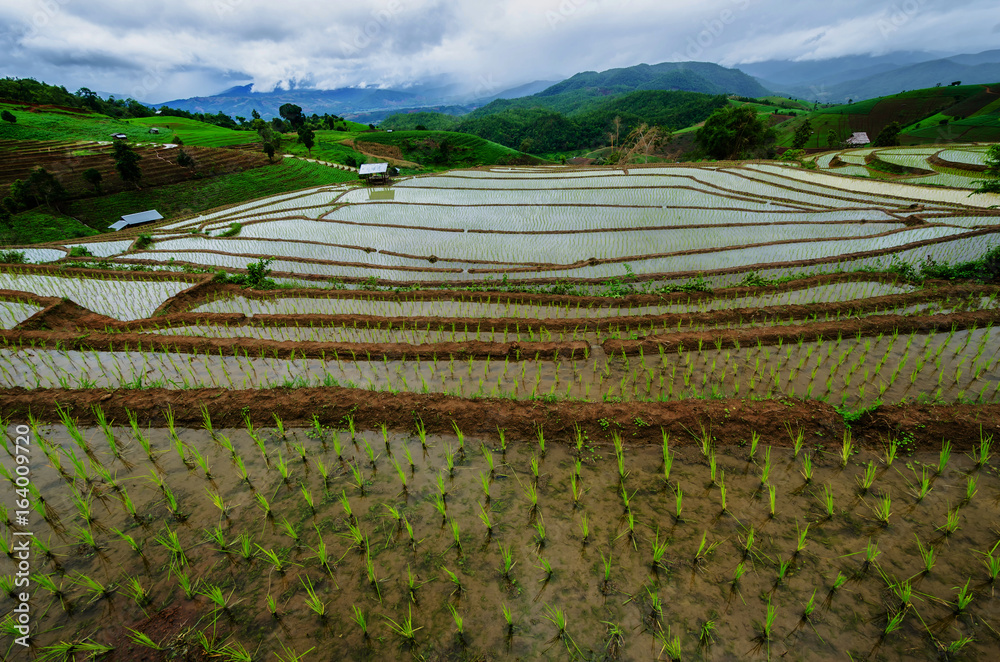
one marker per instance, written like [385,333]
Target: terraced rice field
[959,166]
[678,413]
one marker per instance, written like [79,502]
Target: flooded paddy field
[365,543]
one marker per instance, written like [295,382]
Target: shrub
[80,251]
[233,230]
[12,257]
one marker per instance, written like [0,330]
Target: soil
[172,628]
[729,421]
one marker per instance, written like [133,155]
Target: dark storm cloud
[193,47]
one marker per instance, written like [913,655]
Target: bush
[80,251]
[256,277]
[142,241]
[233,230]
[12,257]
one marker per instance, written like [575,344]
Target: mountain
[586,90]
[241,100]
[841,79]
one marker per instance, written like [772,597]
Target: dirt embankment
[729,422]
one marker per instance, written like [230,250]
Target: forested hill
[586,90]
[540,130]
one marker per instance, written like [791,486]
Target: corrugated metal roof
[142,217]
[859,138]
[118,225]
[373,168]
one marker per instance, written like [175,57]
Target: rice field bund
[714,412]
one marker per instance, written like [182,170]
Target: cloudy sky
[156,51]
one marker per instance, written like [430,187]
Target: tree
[254,115]
[126,163]
[992,183]
[734,132]
[293,114]
[889,136]
[802,135]
[831,138]
[184,159]
[307,138]
[270,140]
[8,116]
[40,187]
[93,177]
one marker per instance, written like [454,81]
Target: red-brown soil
[730,422]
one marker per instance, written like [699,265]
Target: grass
[200,195]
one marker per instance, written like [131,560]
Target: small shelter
[858,139]
[119,136]
[154,130]
[374,172]
[132,220]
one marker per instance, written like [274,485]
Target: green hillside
[445,149]
[430,121]
[586,91]
[960,113]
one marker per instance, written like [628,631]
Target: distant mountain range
[371,104]
[835,80]
[857,77]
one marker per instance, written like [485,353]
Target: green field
[95,214]
[466,150]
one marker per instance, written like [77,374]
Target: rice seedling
[797,438]
[484,481]
[891,449]
[246,546]
[172,543]
[992,564]
[67,651]
[289,654]
[96,589]
[765,469]
[981,452]
[867,478]
[943,457]
[456,582]
[459,624]
[290,531]
[807,468]
[540,436]
[772,500]
[361,621]
[846,449]
[882,509]
[971,488]
[800,538]
[766,633]
[923,484]
[421,432]
[135,545]
[312,600]
[871,553]
[143,639]
[705,549]
[405,629]
[276,560]
[402,475]
[280,426]
[264,505]
[507,562]
[951,524]
[670,645]
[456,535]
[706,635]
[584,529]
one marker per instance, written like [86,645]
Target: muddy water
[692,588]
[320,332]
[853,372]
[819,294]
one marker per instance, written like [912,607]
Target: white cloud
[190,47]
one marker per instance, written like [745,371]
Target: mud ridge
[730,422]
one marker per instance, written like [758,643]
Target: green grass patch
[199,195]
[191,132]
[40,224]
[446,149]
